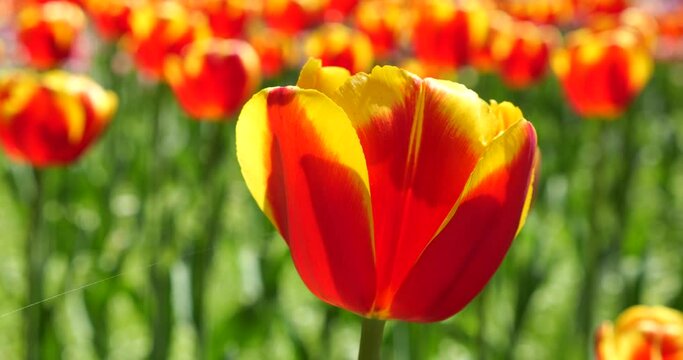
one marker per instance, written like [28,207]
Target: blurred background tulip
[384,23]
[541,12]
[162,28]
[292,16]
[522,52]
[640,333]
[601,72]
[212,78]
[51,119]
[111,18]
[338,45]
[48,32]
[227,18]
[275,50]
[447,34]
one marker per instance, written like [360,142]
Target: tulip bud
[642,332]
[212,78]
[50,119]
[47,32]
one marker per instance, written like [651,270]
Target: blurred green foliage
[155,249]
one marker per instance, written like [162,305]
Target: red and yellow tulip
[162,28]
[212,78]
[398,196]
[382,22]
[522,51]
[50,119]
[338,45]
[291,16]
[446,34]
[642,333]
[111,18]
[227,18]
[600,7]
[542,12]
[275,49]
[601,72]
[48,32]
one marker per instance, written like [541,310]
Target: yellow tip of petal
[326,79]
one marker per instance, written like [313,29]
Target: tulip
[227,18]
[111,18]
[642,332]
[670,32]
[397,196]
[522,52]
[48,32]
[51,119]
[274,48]
[291,16]
[160,29]
[339,45]
[199,75]
[593,7]
[542,12]
[601,72]
[339,9]
[447,35]
[381,22]
[636,19]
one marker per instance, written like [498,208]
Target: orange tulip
[111,18]
[382,22]
[447,35]
[601,72]
[51,119]
[162,28]
[338,45]
[212,78]
[642,333]
[397,196]
[522,52]
[274,48]
[47,32]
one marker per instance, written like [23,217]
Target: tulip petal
[422,140]
[326,79]
[303,163]
[465,254]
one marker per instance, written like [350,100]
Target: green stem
[153,216]
[202,248]
[371,339]
[35,259]
[593,244]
